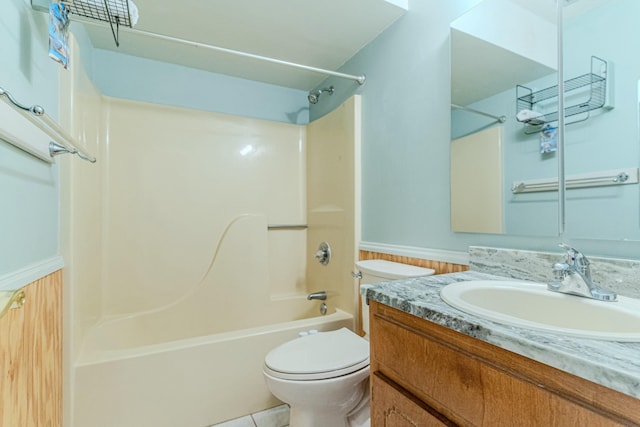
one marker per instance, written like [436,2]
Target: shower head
[314,96]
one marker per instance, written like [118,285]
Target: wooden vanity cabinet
[423,374]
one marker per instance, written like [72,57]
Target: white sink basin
[530,305]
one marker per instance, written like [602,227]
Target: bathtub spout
[322,295]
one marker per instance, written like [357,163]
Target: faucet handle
[571,253]
[574,256]
[578,260]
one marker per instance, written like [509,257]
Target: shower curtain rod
[358,78]
[500,119]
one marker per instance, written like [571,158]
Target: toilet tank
[378,270]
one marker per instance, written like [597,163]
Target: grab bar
[287,226]
[36,115]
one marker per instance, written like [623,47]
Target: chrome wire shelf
[593,83]
[111,11]
[114,12]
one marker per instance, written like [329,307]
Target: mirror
[496,46]
[606,140]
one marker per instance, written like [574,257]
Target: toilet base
[301,418]
[361,415]
[325,403]
[359,418]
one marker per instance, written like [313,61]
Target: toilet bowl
[323,377]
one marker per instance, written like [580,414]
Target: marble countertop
[612,364]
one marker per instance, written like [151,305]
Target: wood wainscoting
[31,357]
[439,266]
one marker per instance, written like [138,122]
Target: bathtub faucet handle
[323,254]
[322,295]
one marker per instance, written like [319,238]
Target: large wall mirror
[603,143]
[502,50]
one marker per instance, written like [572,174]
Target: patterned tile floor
[274,417]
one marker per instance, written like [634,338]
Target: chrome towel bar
[62,141]
[595,179]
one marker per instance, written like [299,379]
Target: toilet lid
[318,356]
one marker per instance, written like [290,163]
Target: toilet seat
[319,356]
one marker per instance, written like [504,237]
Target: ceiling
[323,34]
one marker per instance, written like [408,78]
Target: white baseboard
[30,274]
[452,257]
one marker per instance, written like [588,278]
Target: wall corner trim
[453,257]
[31,273]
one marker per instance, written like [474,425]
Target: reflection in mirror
[496,46]
[606,139]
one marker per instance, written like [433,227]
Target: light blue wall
[140,79]
[608,139]
[28,187]
[406,136]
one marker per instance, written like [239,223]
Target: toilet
[324,376]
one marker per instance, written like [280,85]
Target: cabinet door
[392,406]
[459,379]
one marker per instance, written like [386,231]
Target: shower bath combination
[314,96]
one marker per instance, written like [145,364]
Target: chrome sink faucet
[574,277]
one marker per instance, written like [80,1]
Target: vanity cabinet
[423,374]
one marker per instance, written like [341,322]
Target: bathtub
[193,382]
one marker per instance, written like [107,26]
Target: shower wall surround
[186,188]
[333,200]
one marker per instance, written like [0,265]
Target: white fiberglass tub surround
[177,288]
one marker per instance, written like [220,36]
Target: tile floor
[274,417]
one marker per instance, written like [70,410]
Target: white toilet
[324,376]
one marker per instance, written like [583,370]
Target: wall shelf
[594,84]
[113,12]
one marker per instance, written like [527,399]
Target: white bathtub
[192,382]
